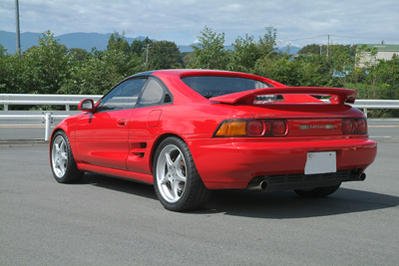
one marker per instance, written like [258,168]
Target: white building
[381,52]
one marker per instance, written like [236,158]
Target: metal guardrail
[48,117]
[8,99]
[375,104]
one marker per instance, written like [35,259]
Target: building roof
[384,47]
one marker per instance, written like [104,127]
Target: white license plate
[321,162]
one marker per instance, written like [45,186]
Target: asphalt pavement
[106,221]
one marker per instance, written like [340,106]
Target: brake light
[255,128]
[361,126]
[252,128]
[354,126]
[278,128]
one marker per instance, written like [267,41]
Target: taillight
[252,128]
[278,128]
[255,128]
[354,126]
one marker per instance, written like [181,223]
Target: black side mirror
[86,105]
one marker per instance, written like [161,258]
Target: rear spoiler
[337,95]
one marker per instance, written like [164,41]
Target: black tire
[194,193]
[319,192]
[71,173]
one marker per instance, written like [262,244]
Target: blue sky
[297,22]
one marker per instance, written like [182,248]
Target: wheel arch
[61,127]
[156,144]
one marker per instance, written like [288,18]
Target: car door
[145,123]
[102,136]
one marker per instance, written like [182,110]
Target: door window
[123,96]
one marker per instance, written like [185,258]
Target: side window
[123,96]
[154,93]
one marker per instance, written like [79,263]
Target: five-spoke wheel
[171,173]
[59,156]
[62,162]
[176,180]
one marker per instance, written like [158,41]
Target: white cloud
[182,20]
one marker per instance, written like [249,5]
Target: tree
[245,54]
[3,51]
[282,69]
[163,55]
[95,76]
[118,42]
[209,52]
[11,74]
[312,49]
[267,43]
[45,65]
[247,51]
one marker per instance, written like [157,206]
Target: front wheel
[317,192]
[62,162]
[177,183]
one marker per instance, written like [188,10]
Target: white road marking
[383,126]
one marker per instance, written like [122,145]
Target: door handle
[121,122]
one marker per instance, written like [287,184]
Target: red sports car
[191,131]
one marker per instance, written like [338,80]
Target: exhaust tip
[362,176]
[263,185]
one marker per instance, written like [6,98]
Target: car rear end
[285,139]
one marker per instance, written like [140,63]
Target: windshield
[212,86]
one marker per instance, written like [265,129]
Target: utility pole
[146,54]
[328,44]
[18,35]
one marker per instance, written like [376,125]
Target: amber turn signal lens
[234,128]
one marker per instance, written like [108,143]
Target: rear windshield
[211,86]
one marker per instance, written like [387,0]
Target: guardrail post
[47,127]
[5,107]
[67,108]
[365,112]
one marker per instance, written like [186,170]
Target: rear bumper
[291,182]
[225,163]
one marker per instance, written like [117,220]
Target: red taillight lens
[354,126]
[278,128]
[361,126]
[255,128]
[347,126]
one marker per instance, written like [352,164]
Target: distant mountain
[82,40]
[28,39]
[89,41]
